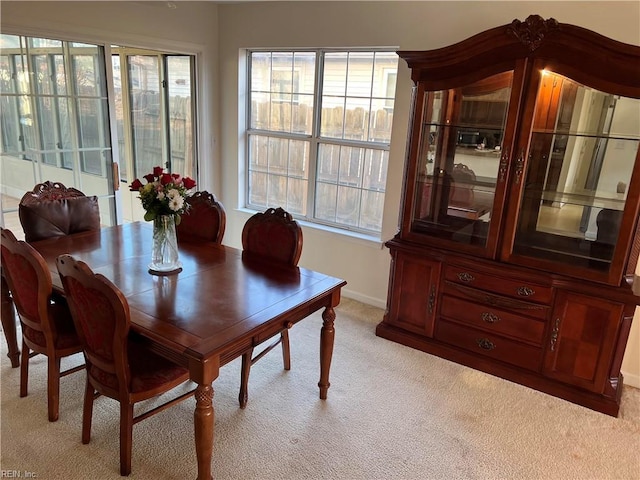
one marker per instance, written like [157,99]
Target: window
[54,103]
[319,127]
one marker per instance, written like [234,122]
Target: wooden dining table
[219,305]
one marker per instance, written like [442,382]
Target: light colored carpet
[392,413]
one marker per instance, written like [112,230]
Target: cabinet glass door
[459,163]
[579,169]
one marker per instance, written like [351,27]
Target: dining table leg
[204,372]
[8,318]
[327,334]
[204,418]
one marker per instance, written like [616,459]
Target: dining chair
[273,236]
[47,326]
[49,210]
[119,364]
[204,221]
[52,210]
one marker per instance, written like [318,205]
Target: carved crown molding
[532,31]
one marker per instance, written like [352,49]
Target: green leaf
[149,216]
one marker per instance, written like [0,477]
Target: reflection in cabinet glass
[459,157]
[581,157]
[519,225]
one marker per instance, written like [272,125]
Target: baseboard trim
[631,379]
[375,302]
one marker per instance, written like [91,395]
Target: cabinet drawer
[493,320]
[494,346]
[511,287]
[482,297]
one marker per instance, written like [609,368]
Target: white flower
[176,203]
[160,198]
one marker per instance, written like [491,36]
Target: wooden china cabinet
[519,232]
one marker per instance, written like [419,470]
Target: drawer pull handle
[485,344]
[519,167]
[525,291]
[432,299]
[554,334]
[466,277]
[504,163]
[490,317]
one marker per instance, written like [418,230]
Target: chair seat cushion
[59,217]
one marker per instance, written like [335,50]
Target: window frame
[315,139]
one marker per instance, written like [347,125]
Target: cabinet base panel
[599,403]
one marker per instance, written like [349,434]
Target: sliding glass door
[155,126]
[55,122]
[60,114]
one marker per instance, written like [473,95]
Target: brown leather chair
[52,210]
[119,364]
[204,221]
[272,236]
[47,327]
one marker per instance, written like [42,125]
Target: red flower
[165,178]
[157,171]
[188,183]
[149,177]
[135,185]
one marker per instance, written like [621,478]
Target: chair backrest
[101,316]
[52,210]
[204,221]
[462,185]
[274,235]
[31,287]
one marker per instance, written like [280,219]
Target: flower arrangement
[163,194]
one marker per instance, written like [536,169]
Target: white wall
[218,32]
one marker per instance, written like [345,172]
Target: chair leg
[126,437]
[53,387]
[286,353]
[8,319]
[24,370]
[244,378]
[87,412]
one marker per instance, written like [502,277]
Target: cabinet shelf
[630,136]
[594,200]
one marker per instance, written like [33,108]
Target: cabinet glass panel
[461,141]
[581,156]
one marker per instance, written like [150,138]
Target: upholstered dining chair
[273,236]
[204,221]
[49,210]
[52,210]
[47,326]
[119,365]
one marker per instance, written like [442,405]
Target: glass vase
[164,258]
